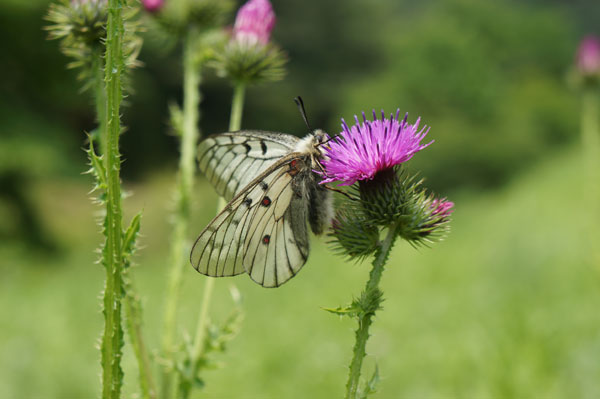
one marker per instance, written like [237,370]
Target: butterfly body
[272,190]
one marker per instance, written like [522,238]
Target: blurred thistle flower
[178,18]
[80,25]
[588,56]
[371,148]
[254,22]
[78,22]
[249,56]
[153,5]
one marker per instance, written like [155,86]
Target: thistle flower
[153,5]
[253,23]
[371,147]
[249,57]
[442,208]
[588,56]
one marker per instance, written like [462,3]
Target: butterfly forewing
[232,160]
[262,230]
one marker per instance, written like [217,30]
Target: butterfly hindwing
[232,160]
[276,241]
[262,230]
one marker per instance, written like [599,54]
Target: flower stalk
[373,296]
[180,244]
[198,347]
[237,106]
[112,340]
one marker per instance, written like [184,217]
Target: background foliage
[504,308]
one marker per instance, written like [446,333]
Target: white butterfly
[272,190]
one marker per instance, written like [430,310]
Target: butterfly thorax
[311,145]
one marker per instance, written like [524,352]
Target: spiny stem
[112,340]
[237,105]
[100,97]
[365,318]
[180,244]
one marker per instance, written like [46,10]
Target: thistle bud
[249,57]
[588,56]
[153,6]
[254,22]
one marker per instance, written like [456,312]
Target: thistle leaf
[351,310]
[371,386]
[129,238]
[97,168]
[176,119]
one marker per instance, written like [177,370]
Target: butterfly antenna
[300,104]
[337,190]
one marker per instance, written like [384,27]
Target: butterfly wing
[262,230]
[231,161]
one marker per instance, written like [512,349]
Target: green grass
[506,307]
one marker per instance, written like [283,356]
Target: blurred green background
[505,307]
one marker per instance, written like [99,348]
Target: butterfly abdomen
[320,206]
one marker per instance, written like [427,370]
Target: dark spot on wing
[264,185]
[248,202]
[263,147]
[247,147]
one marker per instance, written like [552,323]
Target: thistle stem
[100,97]
[133,310]
[112,340]
[591,153]
[365,318]
[180,245]
[198,346]
[237,105]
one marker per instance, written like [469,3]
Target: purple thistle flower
[254,22]
[360,152]
[588,56]
[153,5]
[442,207]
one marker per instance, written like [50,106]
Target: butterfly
[269,180]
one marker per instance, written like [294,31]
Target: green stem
[237,105]
[100,97]
[133,310]
[112,340]
[373,294]
[591,153]
[590,131]
[180,245]
[198,346]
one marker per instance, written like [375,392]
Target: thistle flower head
[249,57]
[254,22]
[588,56]
[153,5]
[365,149]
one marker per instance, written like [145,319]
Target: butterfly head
[312,143]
